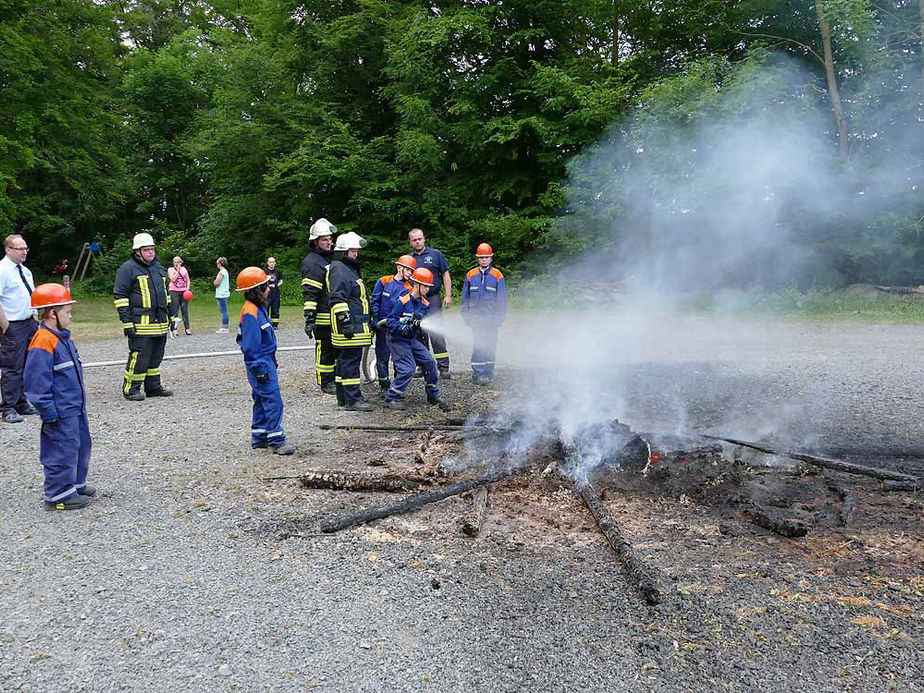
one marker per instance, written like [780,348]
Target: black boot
[436,401]
[73,503]
[341,400]
[135,394]
[160,392]
[87,490]
[329,388]
[359,405]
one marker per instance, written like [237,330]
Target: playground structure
[87,252]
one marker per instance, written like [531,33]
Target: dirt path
[191,573]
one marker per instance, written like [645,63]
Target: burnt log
[785,527]
[902,486]
[472,523]
[418,500]
[353,481]
[636,571]
[387,427]
[826,462]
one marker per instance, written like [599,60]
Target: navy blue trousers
[346,373]
[64,448]
[266,425]
[382,357]
[13,346]
[484,348]
[407,354]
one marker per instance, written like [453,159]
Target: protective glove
[345,323]
[415,324]
[128,330]
[261,377]
[309,329]
[50,422]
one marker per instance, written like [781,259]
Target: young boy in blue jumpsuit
[53,383]
[258,343]
[385,291]
[402,324]
[484,307]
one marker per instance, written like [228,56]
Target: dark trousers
[177,305]
[407,354]
[484,348]
[435,339]
[144,357]
[64,448]
[13,346]
[325,356]
[272,305]
[347,374]
[266,426]
[382,356]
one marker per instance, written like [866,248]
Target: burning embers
[602,458]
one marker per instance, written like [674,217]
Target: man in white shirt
[17,324]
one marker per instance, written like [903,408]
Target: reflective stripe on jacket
[484,296]
[141,297]
[53,375]
[314,288]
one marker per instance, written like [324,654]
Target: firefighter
[257,338]
[143,303]
[53,382]
[484,307]
[275,284]
[407,352]
[317,308]
[387,289]
[349,318]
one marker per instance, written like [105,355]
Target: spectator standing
[179,284]
[432,259]
[222,292]
[274,281]
[17,325]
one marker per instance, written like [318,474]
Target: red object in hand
[187,295]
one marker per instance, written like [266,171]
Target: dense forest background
[226,127]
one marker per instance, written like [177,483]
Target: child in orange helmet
[53,383]
[386,290]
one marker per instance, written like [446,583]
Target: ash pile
[786,493]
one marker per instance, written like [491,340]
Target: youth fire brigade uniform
[433,260]
[407,351]
[274,277]
[142,300]
[317,312]
[385,291]
[484,307]
[53,382]
[257,339]
[350,330]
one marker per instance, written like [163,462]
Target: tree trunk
[614,53]
[833,92]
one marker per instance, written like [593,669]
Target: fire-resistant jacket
[484,297]
[348,294]
[314,288]
[53,375]
[257,339]
[141,297]
[404,309]
[385,291]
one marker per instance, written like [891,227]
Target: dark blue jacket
[257,339]
[404,309]
[386,290]
[433,260]
[484,297]
[53,376]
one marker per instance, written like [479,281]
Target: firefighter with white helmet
[349,318]
[316,304]
[53,382]
[143,303]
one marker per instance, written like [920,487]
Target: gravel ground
[190,573]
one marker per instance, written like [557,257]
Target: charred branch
[826,462]
[634,568]
[419,500]
[847,499]
[784,527]
[472,523]
[386,427]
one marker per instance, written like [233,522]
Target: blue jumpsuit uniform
[484,307]
[406,351]
[386,289]
[53,382]
[433,260]
[258,343]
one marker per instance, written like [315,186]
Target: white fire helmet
[350,240]
[322,227]
[142,240]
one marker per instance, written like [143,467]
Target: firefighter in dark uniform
[317,307]
[273,281]
[142,299]
[349,314]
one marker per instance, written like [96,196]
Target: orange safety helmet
[50,296]
[484,250]
[407,261]
[422,276]
[250,277]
